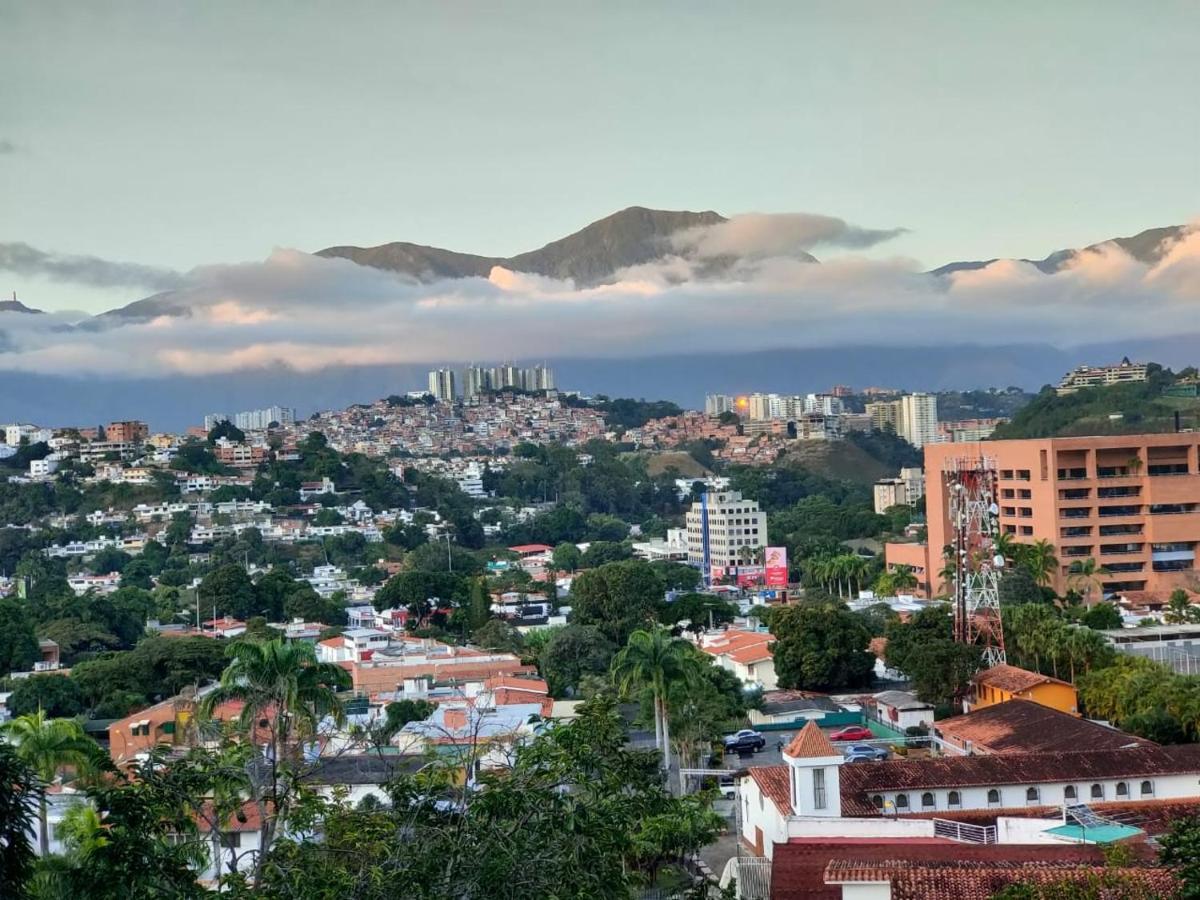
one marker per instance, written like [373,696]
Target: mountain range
[590,256]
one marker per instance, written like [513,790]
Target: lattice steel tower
[971,488]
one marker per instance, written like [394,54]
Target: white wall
[757,811]
[876,827]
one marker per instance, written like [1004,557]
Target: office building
[1124,372]
[724,530]
[1130,502]
[441,385]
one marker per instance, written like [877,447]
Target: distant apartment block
[716,404]
[967,430]
[913,417]
[883,415]
[1131,502]
[131,432]
[724,529]
[1124,372]
[477,380]
[905,490]
[441,385]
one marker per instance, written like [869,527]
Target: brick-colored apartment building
[1131,502]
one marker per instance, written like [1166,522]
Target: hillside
[684,463]
[1117,409]
[837,459]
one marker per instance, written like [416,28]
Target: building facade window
[1032,795]
[1147,789]
[1069,792]
[993,797]
[878,801]
[954,799]
[818,788]
[1122,789]
[927,800]
[902,801]
[1097,792]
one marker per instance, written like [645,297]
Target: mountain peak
[628,237]
[15,305]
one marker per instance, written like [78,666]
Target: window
[1069,792]
[993,797]
[818,788]
[1097,792]
[954,799]
[1032,795]
[231,840]
[902,801]
[927,800]
[878,801]
[1122,789]
[1147,789]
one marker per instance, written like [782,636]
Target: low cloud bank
[310,312]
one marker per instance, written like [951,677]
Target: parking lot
[776,742]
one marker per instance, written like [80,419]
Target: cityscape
[692,555]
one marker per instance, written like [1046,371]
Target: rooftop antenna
[971,485]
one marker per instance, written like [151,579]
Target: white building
[916,419]
[905,490]
[441,385]
[720,526]
[745,654]
[715,404]
[470,481]
[825,404]
[815,796]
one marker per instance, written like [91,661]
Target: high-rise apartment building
[825,404]
[1130,502]
[476,380]
[883,415]
[262,419]
[723,530]
[905,490]
[916,419]
[715,404]
[441,385]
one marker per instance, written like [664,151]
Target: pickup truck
[746,739]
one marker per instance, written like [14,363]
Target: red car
[852,733]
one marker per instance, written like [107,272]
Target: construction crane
[971,489]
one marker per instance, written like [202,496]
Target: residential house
[1002,683]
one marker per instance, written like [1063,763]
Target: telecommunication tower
[971,487]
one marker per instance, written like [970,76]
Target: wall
[1057,696]
[758,812]
[813,827]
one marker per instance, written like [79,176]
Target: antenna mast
[971,487]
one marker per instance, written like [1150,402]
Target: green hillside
[1117,409]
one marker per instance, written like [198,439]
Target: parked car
[852,733]
[866,753]
[727,785]
[746,739]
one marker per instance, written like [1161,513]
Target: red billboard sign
[776,566]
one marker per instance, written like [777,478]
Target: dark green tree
[617,598]
[571,653]
[821,647]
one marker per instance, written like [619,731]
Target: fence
[964,832]
[829,720]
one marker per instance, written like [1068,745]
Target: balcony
[1157,470]
[1109,492]
[1078,512]
[1115,511]
[1077,531]
[1110,530]
[1172,509]
[1121,567]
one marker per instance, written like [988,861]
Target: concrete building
[441,385]
[720,526]
[1124,372]
[262,419]
[1131,502]
[916,419]
[130,432]
[715,404]
[476,380]
[825,404]
[905,490]
[883,415]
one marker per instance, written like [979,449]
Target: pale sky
[183,134]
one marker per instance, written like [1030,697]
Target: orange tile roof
[810,743]
[775,784]
[1012,679]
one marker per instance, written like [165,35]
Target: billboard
[747,576]
[776,566]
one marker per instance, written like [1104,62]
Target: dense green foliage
[821,646]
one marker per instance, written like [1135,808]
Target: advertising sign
[777,566]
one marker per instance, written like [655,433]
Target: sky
[176,135]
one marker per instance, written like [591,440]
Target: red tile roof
[798,867]
[1152,816]
[775,784]
[1024,726]
[980,880]
[1012,679]
[810,743]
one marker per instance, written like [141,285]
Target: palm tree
[285,693]
[1087,573]
[1179,608]
[655,660]
[903,578]
[1040,560]
[1005,545]
[47,745]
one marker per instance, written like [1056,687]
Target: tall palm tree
[903,578]
[285,693]
[1006,545]
[1179,608]
[1086,573]
[46,746]
[655,660]
[1039,558]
